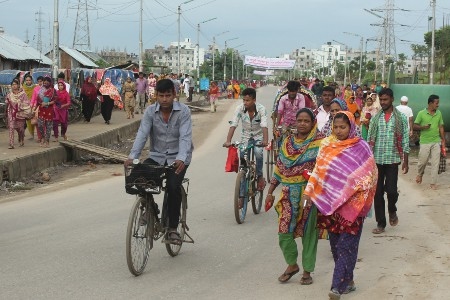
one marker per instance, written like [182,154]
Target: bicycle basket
[142,177]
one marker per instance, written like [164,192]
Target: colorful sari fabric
[109,89]
[28,89]
[295,157]
[326,129]
[344,179]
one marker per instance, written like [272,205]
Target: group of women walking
[39,105]
[328,181]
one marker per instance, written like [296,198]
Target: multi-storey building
[169,57]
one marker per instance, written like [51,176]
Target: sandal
[11,147]
[306,280]
[261,183]
[174,237]
[289,276]
[393,219]
[350,288]
[378,230]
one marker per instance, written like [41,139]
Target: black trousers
[87,107]
[173,186]
[387,182]
[107,107]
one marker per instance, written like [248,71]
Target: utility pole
[141,45]
[55,64]
[198,52]
[179,34]
[214,53]
[39,30]
[433,29]
[225,59]
[360,55]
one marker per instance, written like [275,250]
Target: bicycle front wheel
[139,235]
[174,249]
[270,161]
[240,208]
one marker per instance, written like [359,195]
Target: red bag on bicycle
[232,164]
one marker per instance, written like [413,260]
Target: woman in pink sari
[61,112]
[13,101]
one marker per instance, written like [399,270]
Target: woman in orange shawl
[342,187]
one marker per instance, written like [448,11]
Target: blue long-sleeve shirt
[168,141]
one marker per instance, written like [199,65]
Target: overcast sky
[265,28]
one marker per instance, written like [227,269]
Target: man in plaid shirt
[389,137]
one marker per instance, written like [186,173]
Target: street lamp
[232,60]
[214,52]
[179,33]
[361,55]
[345,62]
[225,59]
[237,66]
[198,52]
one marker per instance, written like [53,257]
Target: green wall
[418,98]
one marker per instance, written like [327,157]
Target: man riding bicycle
[168,124]
[254,129]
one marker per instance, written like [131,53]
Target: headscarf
[28,89]
[110,90]
[62,94]
[297,155]
[344,179]
[327,128]
[89,89]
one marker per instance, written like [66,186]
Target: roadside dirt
[92,168]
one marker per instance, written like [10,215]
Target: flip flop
[306,280]
[393,221]
[378,230]
[174,238]
[289,276]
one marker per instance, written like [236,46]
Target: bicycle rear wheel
[139,235]
[173,249]
[239,213]
[73,113]
[257,198]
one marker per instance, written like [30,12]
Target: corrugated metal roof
[79,57]
[92,55]
[15,49]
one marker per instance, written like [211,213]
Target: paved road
[70,244]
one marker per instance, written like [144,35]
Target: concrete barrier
[14,169]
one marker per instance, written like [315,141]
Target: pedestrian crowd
[335,161]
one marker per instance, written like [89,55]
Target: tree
[371,66]
[401,61]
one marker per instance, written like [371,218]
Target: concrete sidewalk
[22,162]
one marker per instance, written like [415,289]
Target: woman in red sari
[61,110]
[88,98]
[46,100]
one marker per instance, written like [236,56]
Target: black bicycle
[145,225]
[245,189]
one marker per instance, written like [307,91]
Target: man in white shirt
[188,87]
[323,112]
[407,111]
